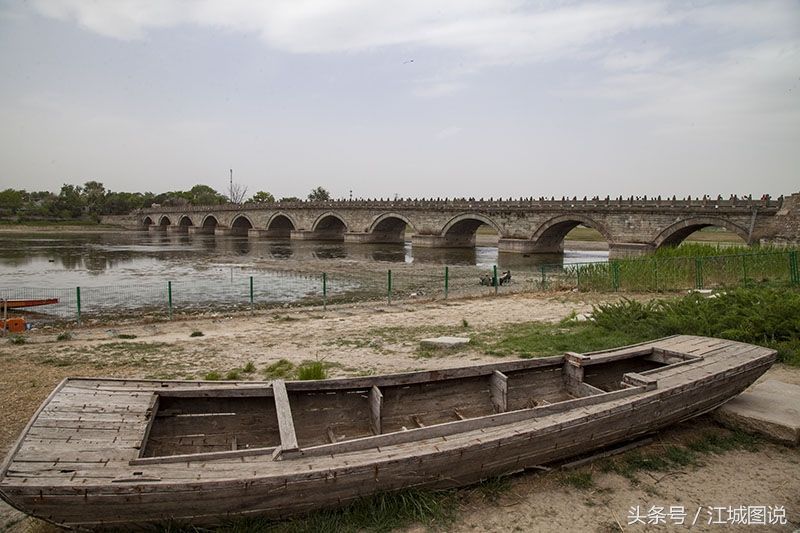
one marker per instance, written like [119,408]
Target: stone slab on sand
[771,408]
[445,342]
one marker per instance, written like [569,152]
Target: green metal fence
[260,289]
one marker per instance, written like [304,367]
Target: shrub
[17,339]
[196,334]
[234,374]
[312,370]
[213,376]
[249,368]
[64,336]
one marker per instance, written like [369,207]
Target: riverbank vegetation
[87,203]
[764,316]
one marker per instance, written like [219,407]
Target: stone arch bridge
[630,226]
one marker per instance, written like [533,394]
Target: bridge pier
[307,235]
[177,229]
[200,230]
[448,241]
[518,246]
[621,250]
[155,229]
[222,231]
[267,233]
[374,238]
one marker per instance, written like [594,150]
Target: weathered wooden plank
[498,386]
[375,409]
[284,412]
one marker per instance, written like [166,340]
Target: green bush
[213,376]
[64,336]
[312,370]
[196,334]
[765,316]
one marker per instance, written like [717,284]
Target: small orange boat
[15,304]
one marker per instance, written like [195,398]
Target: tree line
[90,201]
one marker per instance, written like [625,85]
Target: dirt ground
[370,339]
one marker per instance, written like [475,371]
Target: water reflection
[66,259]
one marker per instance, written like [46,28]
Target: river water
[121,270]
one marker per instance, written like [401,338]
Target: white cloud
[448,132]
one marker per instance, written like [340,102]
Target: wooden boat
[15,304]
[122,453]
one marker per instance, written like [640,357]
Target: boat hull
[276,486]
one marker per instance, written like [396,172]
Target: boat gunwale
[344,383]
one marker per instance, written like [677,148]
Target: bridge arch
[241,224]
[147,221]
[679,231]
[468,224]
[549,237]
[329,226]
[210,222]
[185,221]
[281,225]
[164,221]
[390,224]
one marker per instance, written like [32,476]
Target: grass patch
[312,370]
[17,339]
[674,456]
[126,336]
[249,368]
[578,480]
[64,336]
[196,334]
[280,369]
[380,513]
[764,316]
[537,339]
[234,374]
[213,376]
[492,488]
[464,323]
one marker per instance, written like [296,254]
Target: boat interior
[308,417]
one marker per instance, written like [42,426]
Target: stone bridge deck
[630,226]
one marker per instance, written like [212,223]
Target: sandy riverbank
[379,339]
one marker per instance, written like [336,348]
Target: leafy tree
[262,197]
[290,199]
[70,202]
[12,200]
[205,195]
[94,196]
[319,195]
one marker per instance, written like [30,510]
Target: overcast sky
[409,97]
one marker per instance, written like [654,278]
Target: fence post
[389,286]
[324,291]
[494,278]
[578,276]
[655,272]
[251,293]
[78,301]
[744,269]
[169,298]
[544,278]
[793,268]
[446,281]
[698,273]
[615,275]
